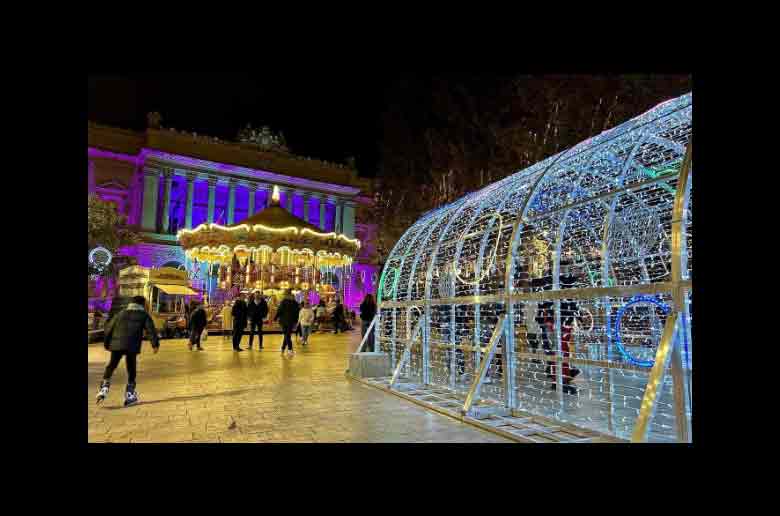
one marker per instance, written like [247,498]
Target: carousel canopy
[274,229]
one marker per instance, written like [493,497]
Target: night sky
[381,120]
[327,118]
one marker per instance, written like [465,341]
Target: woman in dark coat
[123,336]
[367,314]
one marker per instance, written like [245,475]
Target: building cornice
[208,155]
[160,158]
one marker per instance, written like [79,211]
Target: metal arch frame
[409,245]
[509,345]
[508,368]
[499,329]
[428,277]
[479,212]
[668,350]
[453,313]
[556,275]
[605,277]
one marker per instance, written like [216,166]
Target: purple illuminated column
[252,187]
[151,182]
[231,208]
[348,224]
[337,221]
[168,174]
[306,200]
[290,194]
[212,197]
[323,200]
[188,201]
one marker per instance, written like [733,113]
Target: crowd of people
[124,332]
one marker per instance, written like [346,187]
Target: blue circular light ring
[616,328]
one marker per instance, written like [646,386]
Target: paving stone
[193,397]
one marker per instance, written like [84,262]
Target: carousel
[268,253]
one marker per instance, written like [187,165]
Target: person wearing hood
[123,336]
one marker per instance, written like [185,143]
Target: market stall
[166,291]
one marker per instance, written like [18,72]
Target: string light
[593,217]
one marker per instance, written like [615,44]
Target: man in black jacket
[339,321]
[257,313]
[123,335]
[367,314]
[287,315]
[239,314]
[198,323]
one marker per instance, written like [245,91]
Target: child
[123,335]
[305,321]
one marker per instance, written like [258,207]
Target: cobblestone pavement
[190,396]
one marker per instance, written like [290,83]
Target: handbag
[204,336]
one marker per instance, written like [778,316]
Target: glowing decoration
[565,252]
[492,258]
[592,321]
[99,259]
[274,250]
[616,337]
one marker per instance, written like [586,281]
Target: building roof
[173,142]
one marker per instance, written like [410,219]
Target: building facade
[165,180]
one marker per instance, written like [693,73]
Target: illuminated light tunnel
[562,291]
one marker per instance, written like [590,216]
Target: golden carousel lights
[271,249]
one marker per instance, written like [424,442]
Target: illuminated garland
[99,259]
[616,327]
[491,260]
[258,227]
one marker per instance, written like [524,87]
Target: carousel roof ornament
[273,228]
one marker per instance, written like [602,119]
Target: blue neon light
[616,328]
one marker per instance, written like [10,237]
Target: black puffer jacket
[287,313]
[367,311]
[126,330]
[261,312]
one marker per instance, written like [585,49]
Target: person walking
[239,313]
[321,313]
[367,314]
[227,320]
[258,311]
[123,336]
[305,321]
[287,315]
[338,317]
[298,331]
[198,323]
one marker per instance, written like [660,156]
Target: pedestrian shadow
[188,398]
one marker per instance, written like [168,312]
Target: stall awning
[176,289]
